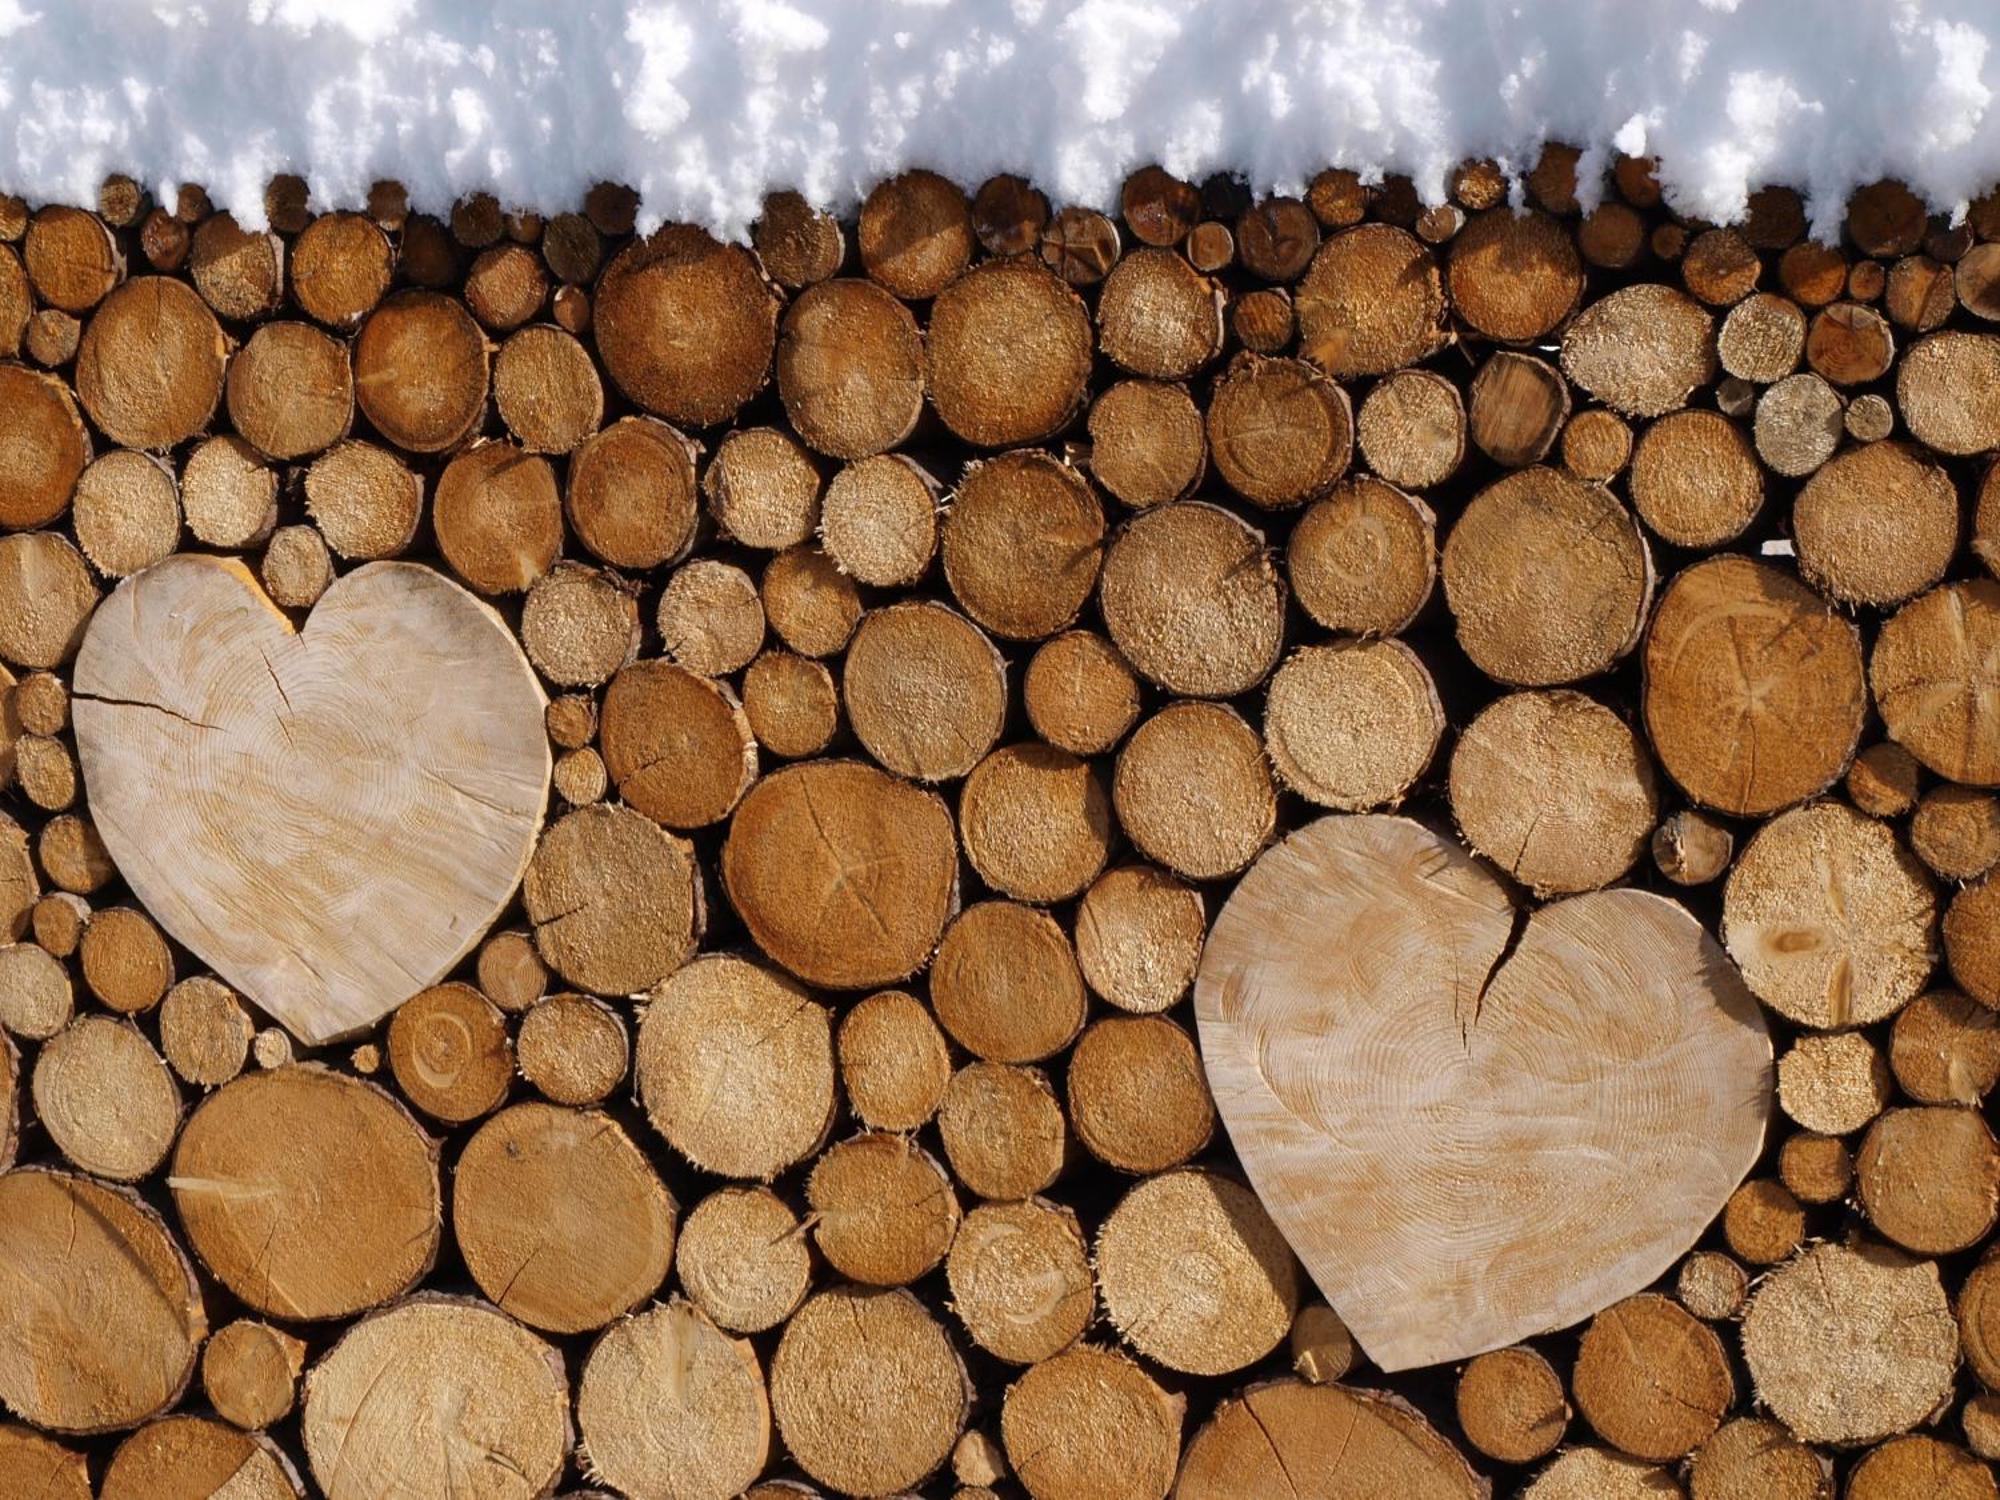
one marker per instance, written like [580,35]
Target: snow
[705,106]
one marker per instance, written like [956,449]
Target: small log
[73,856]
[1193,791]
[46,597]
[106,1098]
[1850,344]
[58,920]
[1036,823]
[1009,348]
[205,1031]
[1945,1049]
[1277,238]
[1948,391]
[1921,293]
[1020,1280]
[1148,443]
[1539,533]
[711,617]
[797,244]
[506,287]
[1712,1286]
[1211,247]
[1612,235]
[762,488]
[925,690]
[1876,525]
[851,367]
[1720,267]
[1762,1223]
[614,899]
[420,371]
[1091,1424]
[1742,639]
[47,444]
[181,1457]
[427,256]
[272,1048]
[1830,918]
[1514,277]
[449,1049]
[1137,1096]
[290,391]
[1956,831]
[547,390]
[1008,215]
[847,1421]
[631,496]
[1762,338]
[743,1258]
[1554,788]
[669,1404]
[1751,1457]
[125,960]
[1641,349]
[878,520]
[1191,598]
[812,605]
[735,1067]
[1518,404]
[341,267]
[1652,1380]
[579,777]
[17,303]
[1695,480]
[1412,428]
[36,1001]
[579,625]
[1022,544]
[510,972]
[52,338]
[466,1355]
[68,1244]
[1157,316]
[498,517]
[1691,848]
[1321,1346]
[1003,1131]
[1833,1085]
[790,704]
[126,512]
[677,745]
[1354,724]
[41,703]
[1280,432]
[1337,198]
[1929,1178]
[31,1464]
[1510,1405]
[1157,1228]
[1080,694]
[1005,983]
[884,1212]
[250,1373]
[229,495]
[364,500]
[45,772]
[724,315]
[72,258]
[1371,302]
[1138,938]
[560,1217]
[573,1049]
[894,1065]
[1584,1473]
[915,234]
[1080,245]
[1920,1463]
[150,367]
[1928,673]
[1851,1344]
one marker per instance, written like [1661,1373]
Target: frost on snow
[704,105]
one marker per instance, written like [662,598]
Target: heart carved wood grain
[1473,1126]
[329,817]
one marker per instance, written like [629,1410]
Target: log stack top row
[937,612]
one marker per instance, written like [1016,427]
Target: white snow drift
[705,106]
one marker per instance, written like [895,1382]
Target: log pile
[607,842]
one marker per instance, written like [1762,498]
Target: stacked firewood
[936,614]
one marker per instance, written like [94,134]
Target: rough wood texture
[238,766]
[1380,887]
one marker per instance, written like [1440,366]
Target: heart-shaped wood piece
[329,817]
[1470,1130]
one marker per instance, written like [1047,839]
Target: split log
[849,1422]
[260,1151]
[1411,429]
[1003,1131]
[1744,641]
[561,1219]
[668,1404]
[1080,694]
[1192,600]
[735,1067]
[406,1392]
[1090,1423]
[1540,534]
[1020,1280]
[1005,983]
[1080,245]
[743,1257]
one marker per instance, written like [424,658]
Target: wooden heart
[1471,1128]
[329,817]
